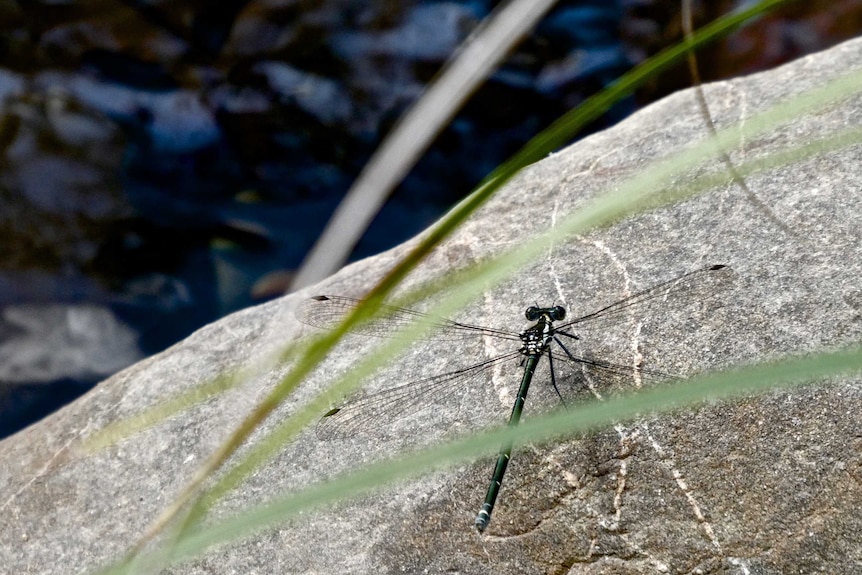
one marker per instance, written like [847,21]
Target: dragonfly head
[555,313]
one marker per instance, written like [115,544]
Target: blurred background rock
[165,163]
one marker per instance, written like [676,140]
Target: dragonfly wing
[704,284]
[373,412]
[327,311]
[582,371]
[602,369]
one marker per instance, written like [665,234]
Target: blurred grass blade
[700,96]
[587,417]
[119,430]
[799,152]
[485,48]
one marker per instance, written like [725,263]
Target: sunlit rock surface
[763,485]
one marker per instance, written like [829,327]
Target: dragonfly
[549,335]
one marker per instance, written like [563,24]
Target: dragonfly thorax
[537,337]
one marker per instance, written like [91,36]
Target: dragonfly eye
[533,313]
[557,313]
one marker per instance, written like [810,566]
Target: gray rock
[765,485]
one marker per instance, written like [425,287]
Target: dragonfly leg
[554,378]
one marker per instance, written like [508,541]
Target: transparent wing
[601,370]
[368,414]
[700,285]
[618,369]
[327,311]
[597,348]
